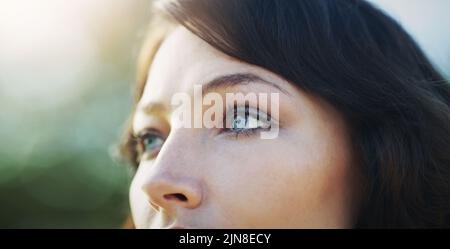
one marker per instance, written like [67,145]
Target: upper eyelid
[265,116]
[146,131]
[257,110]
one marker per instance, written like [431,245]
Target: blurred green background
[66,71]
[66,76]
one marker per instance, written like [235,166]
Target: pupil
[150,142]
[239,123]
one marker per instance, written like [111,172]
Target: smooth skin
[207,178]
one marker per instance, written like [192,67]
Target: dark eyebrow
[230,80]
[223,81]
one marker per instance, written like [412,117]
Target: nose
[167,192]
[174,179]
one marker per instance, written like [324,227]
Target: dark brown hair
[362,62]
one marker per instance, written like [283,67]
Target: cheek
[140,209]
[282,183]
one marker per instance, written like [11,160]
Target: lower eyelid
[147,156]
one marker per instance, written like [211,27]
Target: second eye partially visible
[149,143]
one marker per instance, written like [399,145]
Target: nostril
[176,196]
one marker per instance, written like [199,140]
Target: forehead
[182,61]
[185,60]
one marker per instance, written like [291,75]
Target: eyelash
[247,132]
[142,139]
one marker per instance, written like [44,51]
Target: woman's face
[232,178]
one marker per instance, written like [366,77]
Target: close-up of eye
[149,142]
[245,121]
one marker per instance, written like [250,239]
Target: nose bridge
[175,156]
[171,180]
